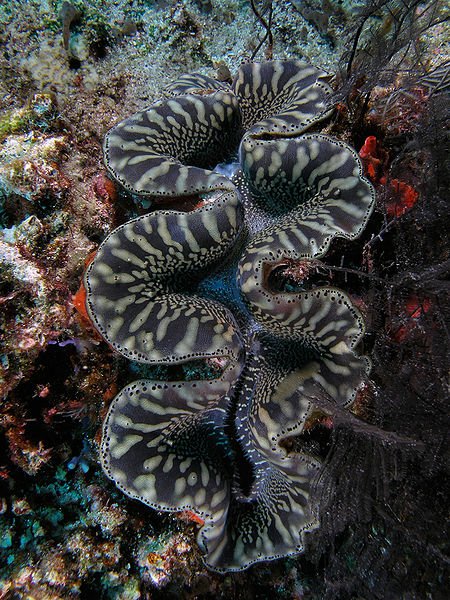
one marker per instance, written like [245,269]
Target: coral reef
[69,72]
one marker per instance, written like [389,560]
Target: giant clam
[171,286]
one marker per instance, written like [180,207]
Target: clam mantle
[175,286]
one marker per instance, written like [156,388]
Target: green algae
[40,114]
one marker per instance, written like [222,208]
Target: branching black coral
[386,48]
[264,16]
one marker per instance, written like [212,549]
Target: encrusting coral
[207,285]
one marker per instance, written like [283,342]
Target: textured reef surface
[224,299]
